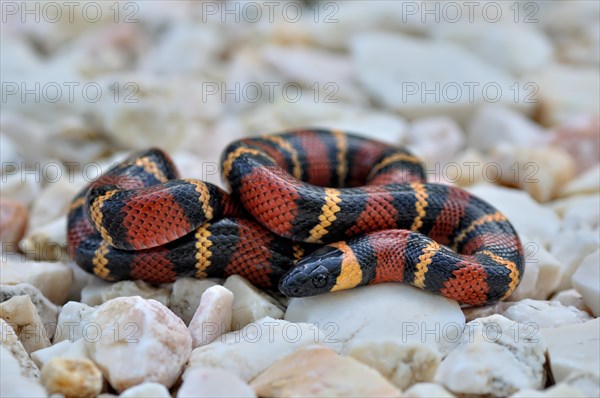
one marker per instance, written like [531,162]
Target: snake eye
[319,280]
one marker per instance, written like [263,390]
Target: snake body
[310,211]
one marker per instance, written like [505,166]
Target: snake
[306,212]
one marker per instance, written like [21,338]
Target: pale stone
[13,222]
[350,314]
[573,348]
[72,377]
[496,357]
[146,390]
[10,342]
[20,187]
[138,341]
[381,126]
[136,288]
[588,382]
[91,294]
[586,183]
[46,242]
[530,219]
[570,248]
[213,317]
[20,313]
[466,169]
[319,371]
[586,280]
[579,137]
[544,314]
[12,382]
[64,349]
[566,91]
[51,279]
[560,390]
[251,350]
[570,298]
[72,322]
[47,310]
[579,212]
[472,313]
[249,303]
[540,171]
[213,382]
[53,201]
[427,390]
[401,83]
[402,364]
[436,139]
[186,294]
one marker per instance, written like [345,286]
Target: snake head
[315,274]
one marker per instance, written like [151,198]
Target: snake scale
[310,211]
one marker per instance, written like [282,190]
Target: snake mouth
[315,274]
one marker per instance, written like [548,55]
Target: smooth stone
[13,383]
[53,201]
[146,331]
[402,364]
[213,382]
[91,294]
[146,390]
[570,248]
[63,349]
[23,190]
[47,310]
[47,242]
[585,183]
[186,294]
[472,313]
[436,139]
[529,218]
[51,279]
[72,322]
[319,371]
[570,298]
[249,303]
[13,345]
[136,288]
[72,377]
[213,317]
[579,137]
[13,222]
[400,83]
[20,313]
[586,280]
[559,390]
[588,382]
[381,126]
[427,390]
[350,314]
[249,351]
[573,348]
[545,314]
[579,212]
[496,357]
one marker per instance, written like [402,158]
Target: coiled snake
[285,225]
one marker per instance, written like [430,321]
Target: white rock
[249,351]
[542,272]
[559,391]
[319,371]
[13,223]
[212,382]
[516,48]
[496,357]
[146,390]
[386,127]
[586,183]
[51,279]
[53,201]
[46,242]
[427,390]
[72,322]
[72,377]
[22,315]
[213,317]
[13,383]
[64,349]
[579,212]
[494,124]
[136,288]
[573,348]
[528,217]
[402,364]
[18,187]
[91,294]
[401,83]
[570,248]
[47,311]
[436,139]
[570,298]
[566,91]
[586,280]
[350,314]
[10,342]
[544,314]
[146,331]
[540,171]
[588,382]
[249,303]
[579,137]
[185,297]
